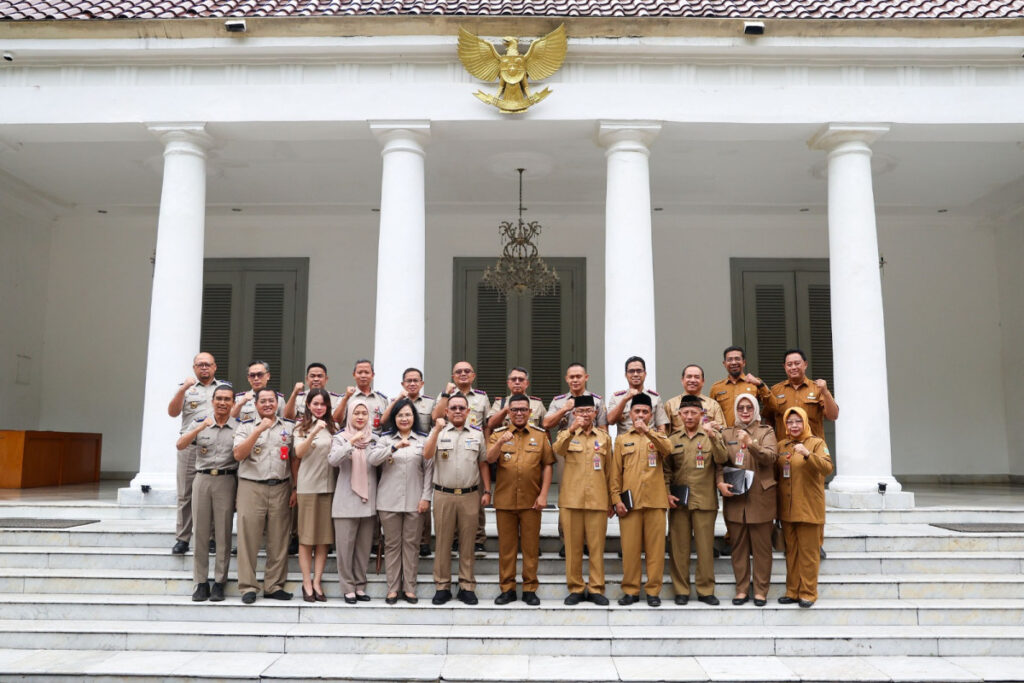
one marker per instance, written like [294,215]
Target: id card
[597,462]
[785,469]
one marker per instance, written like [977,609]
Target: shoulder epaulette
[279,394]
[381,394]
[334,394]
[477,428]
[477,391]
[619,393]
[241,393]
[419,433]
[200,419]
[427,397]
[285,419]
[533,426]
[560,396]
[597,396]
[391,432]
[534,398]
[245,422]
[652,392]
[499,429]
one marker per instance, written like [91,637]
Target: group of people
[355,469]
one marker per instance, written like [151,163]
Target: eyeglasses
[256,375]
[635,371]
[462,371]
[203,365]
[457,409]
[518,410]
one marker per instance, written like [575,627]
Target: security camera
[8,56]
[753,28]
[235,25]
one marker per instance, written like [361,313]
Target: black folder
[682,492]
[740,479]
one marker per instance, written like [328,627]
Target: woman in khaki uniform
[748,517]
[403,496]
[314,491]
[801,468]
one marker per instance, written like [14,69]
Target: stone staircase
[107,600]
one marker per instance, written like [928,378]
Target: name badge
[785,469]
[652,459]
[597,462]
[575,446]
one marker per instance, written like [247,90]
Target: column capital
[832,135]
[411,135]
[192,133]
[633,133]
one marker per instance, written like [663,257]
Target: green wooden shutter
[491,350]
[215,335]
[547,364]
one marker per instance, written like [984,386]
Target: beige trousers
[643,531]
[353,537]
[186,473]
[401,549]
[213,503]
[262,508]
[700,526]
[455,513]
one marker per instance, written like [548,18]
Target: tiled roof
[717,9]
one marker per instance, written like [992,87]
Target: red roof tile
[22,10]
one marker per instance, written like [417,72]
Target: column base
[162,489]
[863,500]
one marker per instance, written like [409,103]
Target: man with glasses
[245,402]
[460,466]
[518,382]
[620,402]
[192,401]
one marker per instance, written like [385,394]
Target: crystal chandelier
[520,268]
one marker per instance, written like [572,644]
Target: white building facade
[129,153]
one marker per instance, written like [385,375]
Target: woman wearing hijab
[355,500]
[314,491]
[749,516]
[801,468]
[403,495]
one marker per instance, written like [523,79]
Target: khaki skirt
[315,524]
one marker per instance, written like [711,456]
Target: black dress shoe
[586,550]
[217,592]
[506,597]
[573,599]
[350,599]
[786,600]
[741,601]
[530,598]
[411,599]
[213,546]
[758,602]
[442,596]
[279,594]
[391,600]
[708,599]
[682,599]
[202,592]
[180,548]
[598,599]
[653,601]
[424,550]
[293,546]
[821,553]
[628,599]
[561,552]
[807,603]
[362,597]
[455,546]
[479,550]
[467,597]
[249,598]
[234,551]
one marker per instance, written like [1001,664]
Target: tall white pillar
[628,250]
[863,448]
[176,305]
[399,338]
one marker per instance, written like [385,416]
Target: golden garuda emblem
[512,70]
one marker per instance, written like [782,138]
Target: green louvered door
[255,309]
[542,334]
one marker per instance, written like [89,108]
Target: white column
[628,251]
[863,449]
[175,305]
[399,338]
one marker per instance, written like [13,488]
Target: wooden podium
[29,459]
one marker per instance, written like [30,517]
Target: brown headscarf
[806,433]
[359,481]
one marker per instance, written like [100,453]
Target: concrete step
[178,665]
[677,638]
[552,586]
[124,608]
[875,562]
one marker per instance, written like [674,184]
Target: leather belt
[215,472]
[268,482]
[457,492]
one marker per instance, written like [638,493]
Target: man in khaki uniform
[693,384]
[463,377]
[263,491]
[619,403]
[192,401]
[245,402]
[800,392]
[638,466]
[518,382]
[316,378]
[738,381]
[376,402]
[560,410]
[524,459]
[583,503]
[460,465]
[213,491]
[697,453]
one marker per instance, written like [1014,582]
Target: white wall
[99,292]
[1009,248]
[24,265]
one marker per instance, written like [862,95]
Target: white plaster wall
[1009,247]
[24,264]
